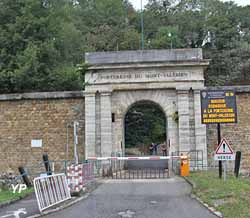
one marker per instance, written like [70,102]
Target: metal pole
[237,164]
[67,143]
[219,141]
[24,176]
[76,124]
[47,164]
[142,28]
[225,171]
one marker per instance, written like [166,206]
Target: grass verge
[231,197]
[8,195]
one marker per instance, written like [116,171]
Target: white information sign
[224,151]
[36,143]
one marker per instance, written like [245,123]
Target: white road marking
[128,214]
[15,214]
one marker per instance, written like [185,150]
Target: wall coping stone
[142,56]
[238,89]
[81,94]
[42,95]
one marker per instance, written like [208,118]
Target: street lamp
[170,36]
[142,27]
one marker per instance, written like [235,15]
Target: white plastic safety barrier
[51,190]
[135,158]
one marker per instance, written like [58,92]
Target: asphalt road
[20,209]
[168,198]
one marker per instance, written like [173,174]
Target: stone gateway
[171,79]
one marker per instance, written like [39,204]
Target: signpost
[218,107]
[224,153]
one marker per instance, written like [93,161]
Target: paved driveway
[168,198]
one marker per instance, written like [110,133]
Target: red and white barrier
[135,158]
[74,177]
[79,175]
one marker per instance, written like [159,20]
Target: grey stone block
[143,56]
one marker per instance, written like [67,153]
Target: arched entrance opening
[145,122]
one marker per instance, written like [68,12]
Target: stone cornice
[81,94]
[198,63]
[183,90]
[42,95]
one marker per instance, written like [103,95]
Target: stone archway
[116,80]
[144,122]
[124,100]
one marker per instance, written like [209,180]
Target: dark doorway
[145,123]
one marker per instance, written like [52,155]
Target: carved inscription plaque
[130,77]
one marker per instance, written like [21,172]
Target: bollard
[103,173]
[237,164]
[25,177]
[185,166]
[46,164]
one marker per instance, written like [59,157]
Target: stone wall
[238,135]
[42,116]
[45,116]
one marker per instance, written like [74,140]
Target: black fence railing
[132,169]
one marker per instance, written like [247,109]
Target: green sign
[218,106]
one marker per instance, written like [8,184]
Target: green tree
[42,41]
[144,123]
[166,38]
[37,39]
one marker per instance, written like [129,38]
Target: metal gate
[140,173]
[132,167]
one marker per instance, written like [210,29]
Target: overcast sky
[137,3]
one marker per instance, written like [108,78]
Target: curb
[60,207]
[211,209]
[189,182]
[86,191]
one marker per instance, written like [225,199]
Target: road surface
[166,198]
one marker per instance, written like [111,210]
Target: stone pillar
[98,124]
[172,129]
[90,124]
[106,124]
[184,123]
[200,129]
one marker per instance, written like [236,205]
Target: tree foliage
[42,42]
[142,126]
